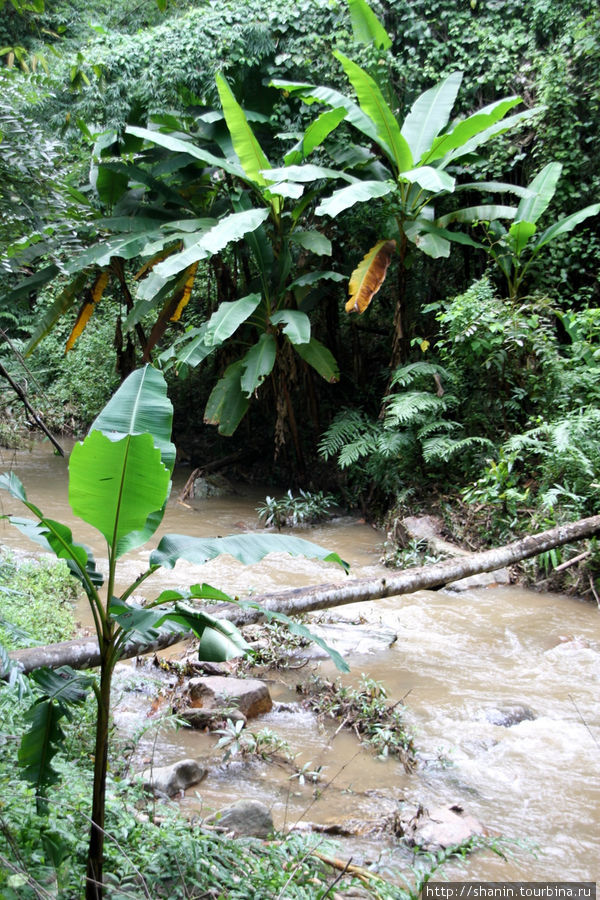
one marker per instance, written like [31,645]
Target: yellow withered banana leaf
[369,275]
[85,313]
[185,294]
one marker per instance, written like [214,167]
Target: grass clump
[37,600]
[365,711]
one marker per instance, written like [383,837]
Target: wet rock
[430,528]
[249,818]
[506,716]
[210,718]
[443,827]
[484,579]
[346,638]
[212,486]
[173,779]
[248,695]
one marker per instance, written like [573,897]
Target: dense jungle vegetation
[363,249]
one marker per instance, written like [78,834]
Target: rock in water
[507,716]
[443,827]
[173,779]
[249,695]
[248,818]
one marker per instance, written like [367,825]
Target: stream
[457,659]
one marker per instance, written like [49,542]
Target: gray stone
[506,716]
[249,818]
[483,580]
[212,486]
[208,718]
[348,638]
[173,779]
[248,695]
[443,827]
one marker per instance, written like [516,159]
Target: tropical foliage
[119,482]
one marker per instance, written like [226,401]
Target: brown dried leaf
[369,275]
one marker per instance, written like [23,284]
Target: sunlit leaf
[366,27]
[371,100]
[429,114]
[115,485]
[346,197]
[249,151]
[542,188]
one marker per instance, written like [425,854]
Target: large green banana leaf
[227,404]
[258,363]
[116,485]
[372,103]
[366,27]
[141,406]
[346,197]
[249,151]
[429,114]
[247,548]
[542,188]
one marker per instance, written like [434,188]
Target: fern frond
[347,426]
[405,375]
[444,448]
[436,427]
[393,443]
[410,407]
[362,446]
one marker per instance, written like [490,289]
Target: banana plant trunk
[95,861]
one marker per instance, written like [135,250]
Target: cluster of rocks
[212,699]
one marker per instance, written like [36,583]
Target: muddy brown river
[456,659]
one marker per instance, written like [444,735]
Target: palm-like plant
[119,482]
[417,152]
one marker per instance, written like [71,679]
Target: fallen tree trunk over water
[84,654]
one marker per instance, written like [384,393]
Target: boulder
[506,716]
[212,486]
[248,818]
[248,695]
[443,827]
[430,529]
[173,779]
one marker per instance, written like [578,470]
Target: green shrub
[36,601]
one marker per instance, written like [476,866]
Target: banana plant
[273,317]
[119,483]
[146,215]
[515,249]
[415,153]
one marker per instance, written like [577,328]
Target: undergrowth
[36,601]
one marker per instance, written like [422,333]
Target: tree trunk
[85,654]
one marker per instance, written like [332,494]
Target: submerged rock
[249,818]
[507,716]
[348,638]
[173,779]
